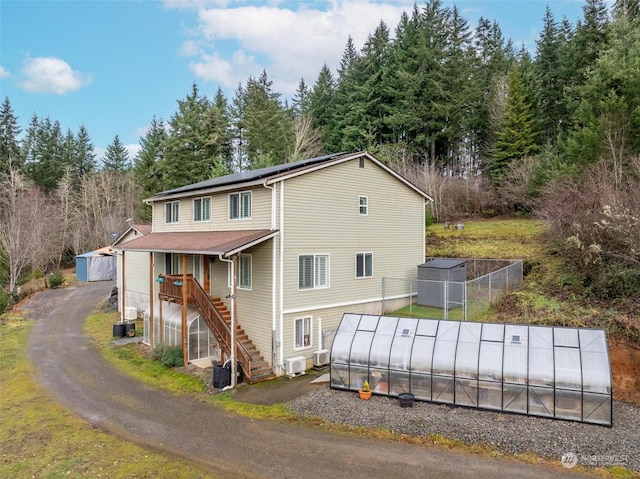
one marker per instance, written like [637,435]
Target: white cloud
[4,73]
[288,44]
[51,75]
[133,150]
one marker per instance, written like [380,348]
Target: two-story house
[268,260]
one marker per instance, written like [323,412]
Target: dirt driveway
[74,373]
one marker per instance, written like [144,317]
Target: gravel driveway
[74,373]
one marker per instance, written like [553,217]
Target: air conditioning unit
[130,312]
[321,358]
[296,366]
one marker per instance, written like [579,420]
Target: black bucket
[129,329]
[406,399]
[118,330]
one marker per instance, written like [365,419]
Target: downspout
[281,279]
[232,262]
[152,293]
[274,278]
[121,294]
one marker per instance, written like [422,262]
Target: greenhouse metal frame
[547,371]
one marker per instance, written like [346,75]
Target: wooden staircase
[218,319]
[260,369]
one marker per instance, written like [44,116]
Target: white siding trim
[339,305]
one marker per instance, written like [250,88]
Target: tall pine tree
[116,158]
[10,156]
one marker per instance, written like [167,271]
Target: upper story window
[364,205]
[364,265]
[202,209]
[313,271]
[240,205]
[172,212]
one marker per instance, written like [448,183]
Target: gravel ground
[508,433]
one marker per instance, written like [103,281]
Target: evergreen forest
[486,127]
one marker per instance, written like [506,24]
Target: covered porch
[186,291]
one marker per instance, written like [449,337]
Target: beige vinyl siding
[329,319]
[254,312]
[322,216]
[260,214]
[137,271]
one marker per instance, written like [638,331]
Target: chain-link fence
[488,281]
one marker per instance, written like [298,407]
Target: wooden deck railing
[171,291]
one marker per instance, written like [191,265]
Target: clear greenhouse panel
[554,372]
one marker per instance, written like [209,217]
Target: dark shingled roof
[250,175]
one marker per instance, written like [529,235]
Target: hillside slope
[546,296]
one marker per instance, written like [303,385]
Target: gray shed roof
[443,263]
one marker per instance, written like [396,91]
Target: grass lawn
[41,439]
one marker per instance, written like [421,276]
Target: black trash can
[221,376]
[118,330]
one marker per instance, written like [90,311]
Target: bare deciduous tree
[22,211]
[307,141]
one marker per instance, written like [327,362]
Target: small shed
[433,279]
[98,265]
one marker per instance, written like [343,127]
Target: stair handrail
[221,329]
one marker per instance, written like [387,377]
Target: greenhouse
[201,343]
[554,372]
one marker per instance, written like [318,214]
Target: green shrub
[168,356]
[56,279]
[172,357]
[158,351]
[4,301]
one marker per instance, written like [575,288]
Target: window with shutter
[240,205]
[244,271]
[302,332]
[313,271]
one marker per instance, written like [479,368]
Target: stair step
[260,369]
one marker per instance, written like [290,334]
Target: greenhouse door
[199,340]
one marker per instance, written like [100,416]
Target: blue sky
[114,64]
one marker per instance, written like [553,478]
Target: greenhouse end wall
[554,372]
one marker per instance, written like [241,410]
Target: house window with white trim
[313,271]
[364,205]
[240,205]
[244,271]
[172,212]
[172,263]
[202,209]
[302,332]
[364,265]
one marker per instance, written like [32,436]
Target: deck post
[185,285]
[151,293]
